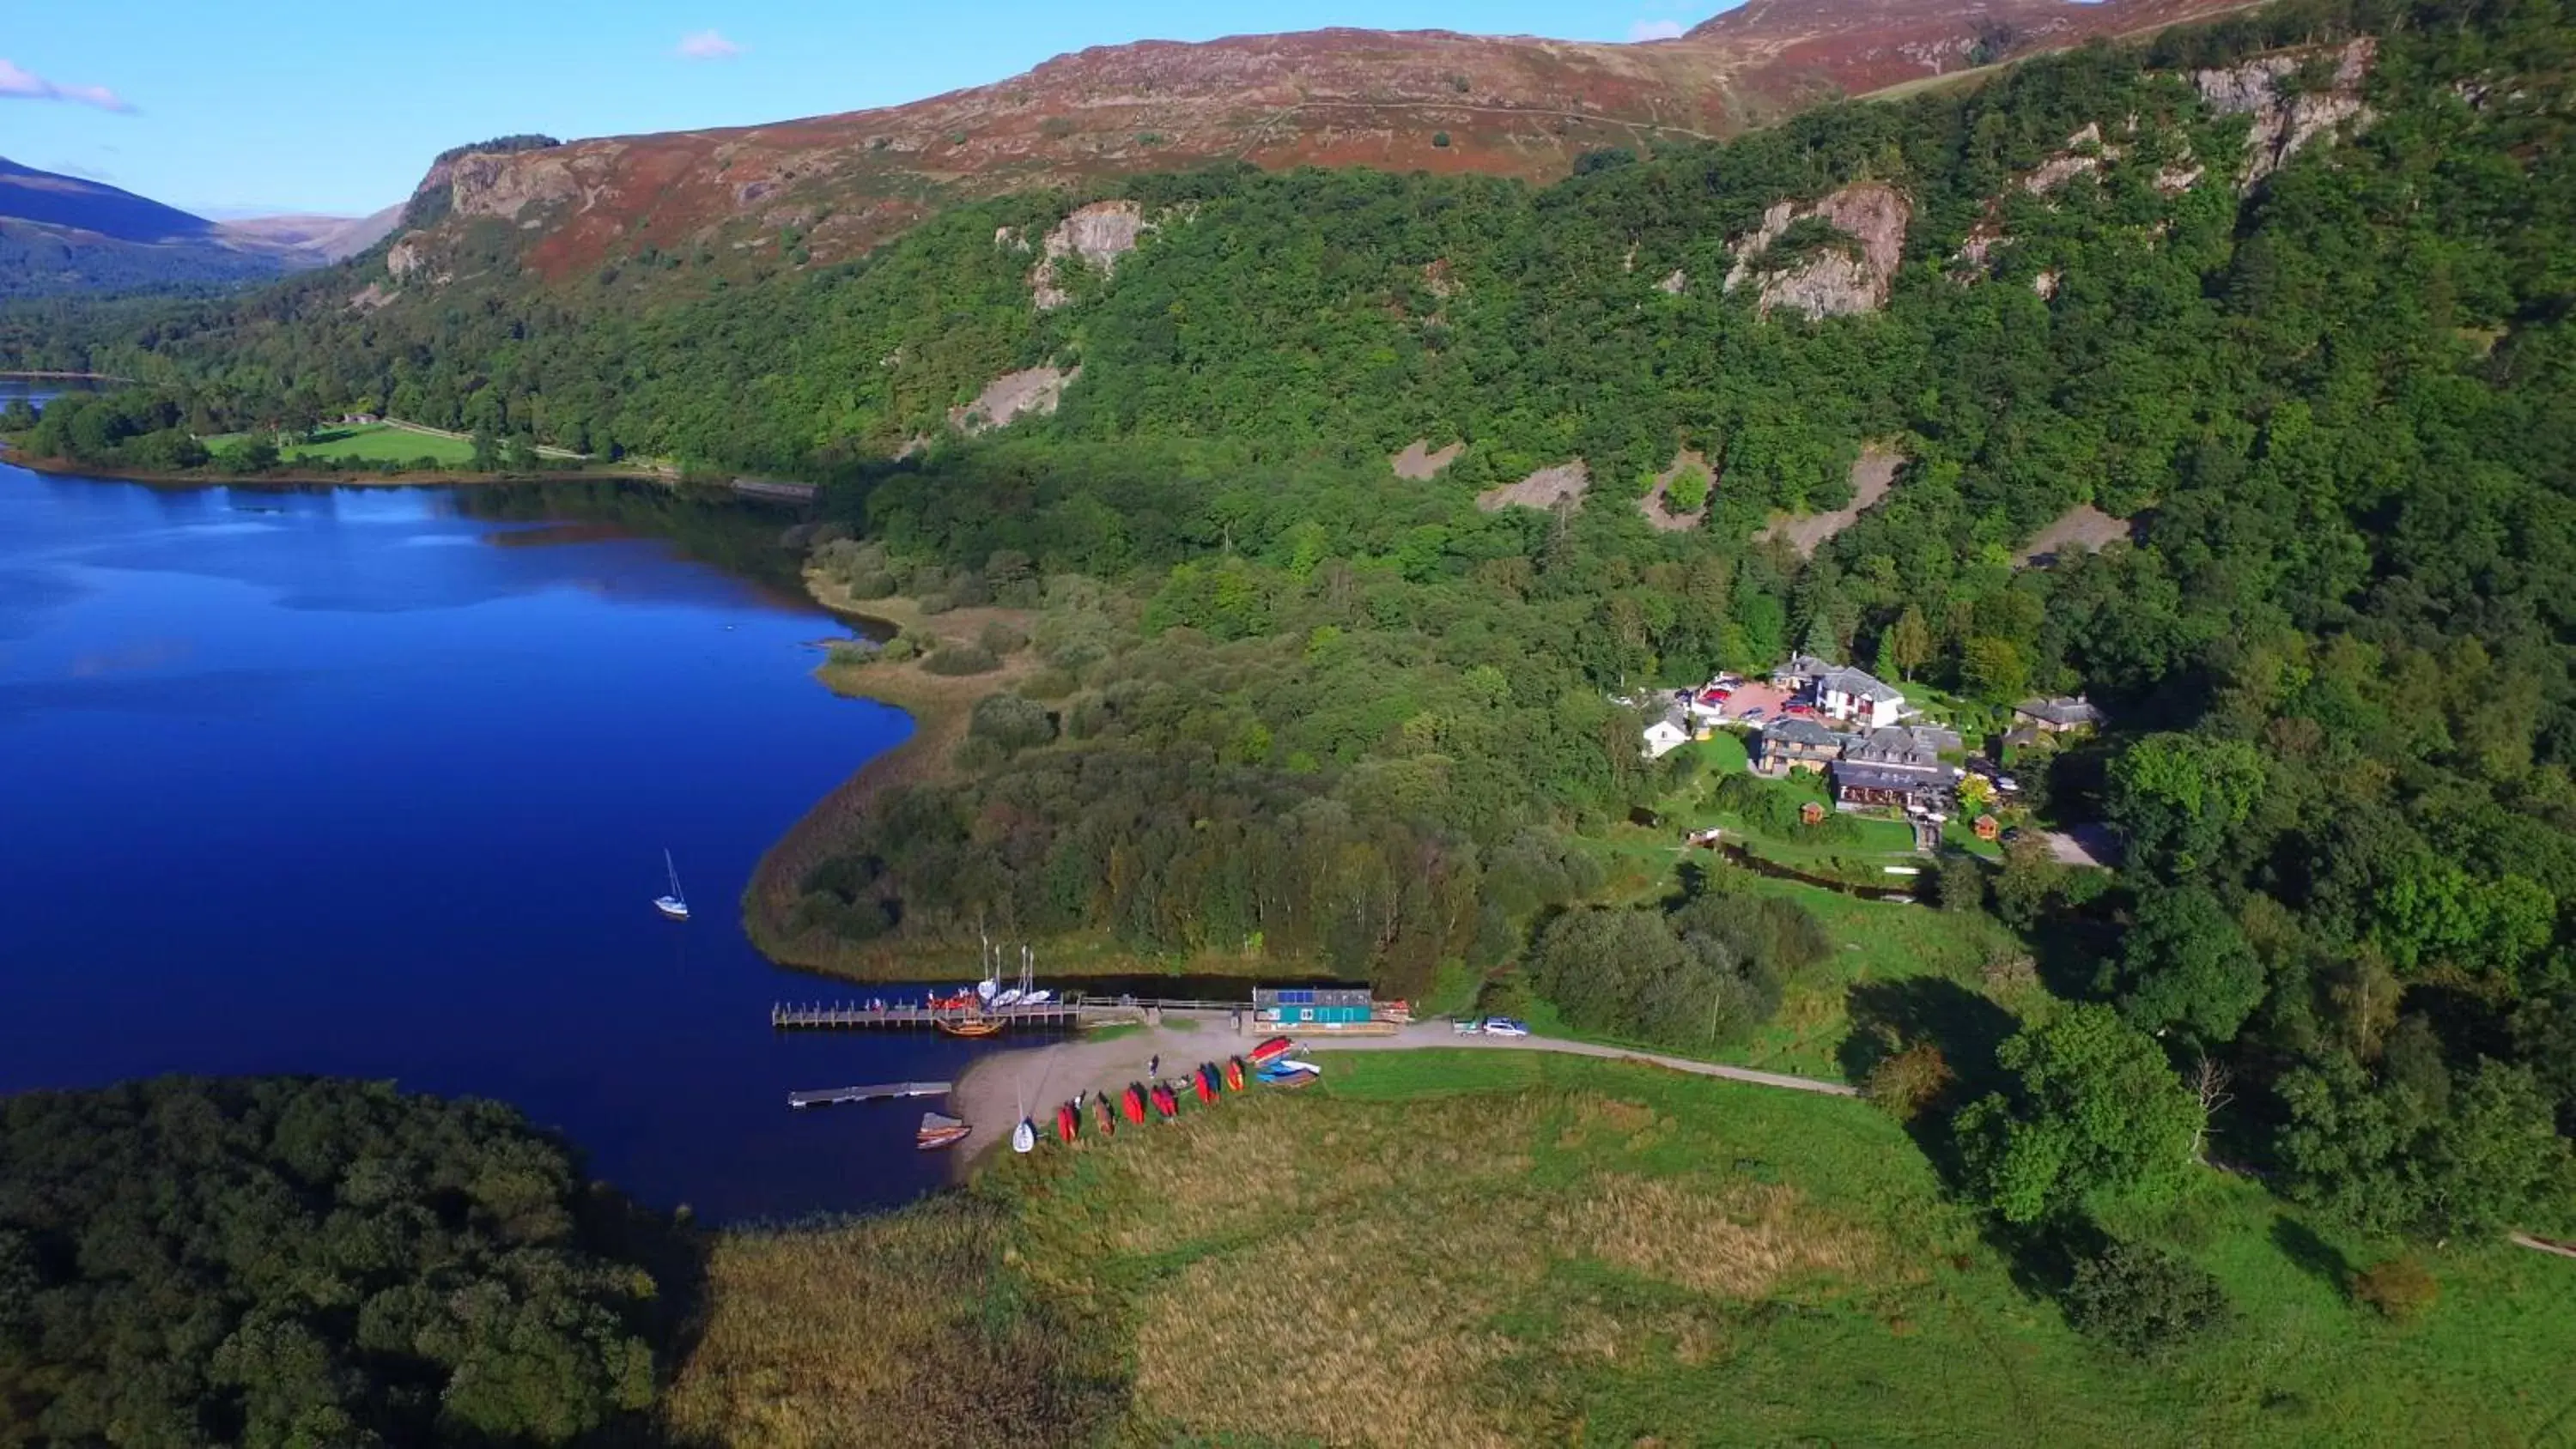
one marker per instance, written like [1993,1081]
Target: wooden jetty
[885,1093]
[1071,1011]
[853,1014]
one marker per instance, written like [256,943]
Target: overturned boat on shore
[1132,1102]
[939,1130]
[1272,1050]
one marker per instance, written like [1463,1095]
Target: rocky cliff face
[2287,116]
[1432,100]
[1834,281]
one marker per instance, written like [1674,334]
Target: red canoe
[1165,1102]
[1105,1115]
[1234,1074]
[1132,1102]
[1199,1082]
[1066,1123]
[1277,1046]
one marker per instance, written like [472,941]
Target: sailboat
[1025,1136]
[674,905]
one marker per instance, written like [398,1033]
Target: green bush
[1001,638]
[1011,723]
[955,657]
[2144,1301]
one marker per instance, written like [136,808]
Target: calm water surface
[354,782]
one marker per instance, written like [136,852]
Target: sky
[298,106]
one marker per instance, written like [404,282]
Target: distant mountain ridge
[68,234]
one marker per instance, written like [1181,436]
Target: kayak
[1294,1080]
[1278,1072]
[1234,1074]
[1272,1050]
[1105,1115]
[1199,1084]
[1166,1103]
[1132,1102]
[1068,1123]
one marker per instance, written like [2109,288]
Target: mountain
[313,240]
[1427,100]
[65,234]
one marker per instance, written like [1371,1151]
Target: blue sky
[295,105]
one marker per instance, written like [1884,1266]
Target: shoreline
[939,706]
[73,468]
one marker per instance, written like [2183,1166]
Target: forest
[283,1261]
[1276,701]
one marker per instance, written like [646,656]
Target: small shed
[1287,1006]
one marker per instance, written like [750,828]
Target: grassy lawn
[1493,1248]
[372,443]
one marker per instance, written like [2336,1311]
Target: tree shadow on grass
[1888,1017]
[2314,1255]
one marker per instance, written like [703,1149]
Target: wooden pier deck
[888,1092]
[825,1015]
[1071,1011]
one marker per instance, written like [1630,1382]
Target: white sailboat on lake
[674,905]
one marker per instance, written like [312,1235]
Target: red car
[1802,711]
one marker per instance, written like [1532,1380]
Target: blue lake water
[371,782]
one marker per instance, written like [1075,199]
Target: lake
[377,782]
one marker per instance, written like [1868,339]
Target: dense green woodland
[284,1261]
[1284,704]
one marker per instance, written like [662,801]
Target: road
[1003,1086]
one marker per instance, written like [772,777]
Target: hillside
[1399,101]
[312,241]
[64,234]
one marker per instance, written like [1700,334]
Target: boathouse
[1323,1006]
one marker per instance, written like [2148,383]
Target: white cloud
[1655,30]
[707,45]
[26,85]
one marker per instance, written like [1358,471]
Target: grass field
[371,443]
[1505,1249]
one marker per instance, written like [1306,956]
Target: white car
[1462,1028]
[1505,1026]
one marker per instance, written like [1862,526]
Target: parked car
[1751,715]
[1505,1026]
[1802,711]
[1464,1028]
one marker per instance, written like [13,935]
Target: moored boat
[675,905]
[1008,996]
[969,1026]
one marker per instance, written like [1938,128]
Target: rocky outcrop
[484,184]
[1031,392]
[405,257]
[1657,504]
[2285,122]
[2083,154]
[1548,488]
[1674,284]
[1100,234]
[1835,281]
[1420,461]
